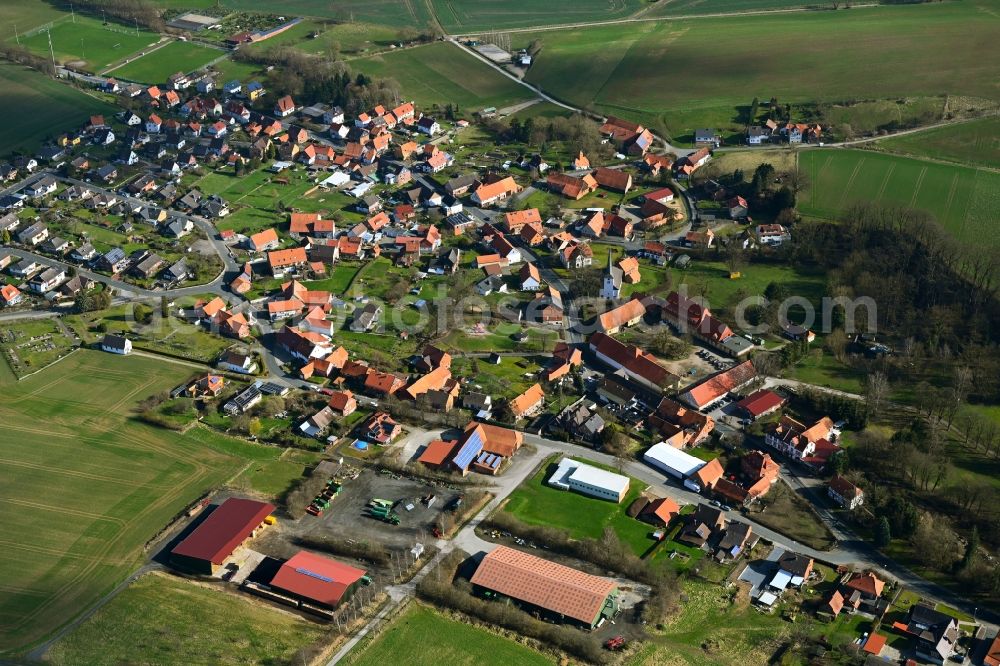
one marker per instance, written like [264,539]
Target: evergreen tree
[883,533]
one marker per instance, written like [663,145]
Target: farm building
[558,591]
[312,580]
[207,548]
[589,480]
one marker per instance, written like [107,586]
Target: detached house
[845,493]
[284,107]
[116,344]
[488,194]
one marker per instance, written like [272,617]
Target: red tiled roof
[866,583]
[632,359]
[616,317]
[527,400]
[223,530]
[544,584]
[438,452]
[714,387]
[874,644]
[316,578]
[761,402]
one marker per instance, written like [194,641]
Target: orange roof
[664,508]
[286,103]
[616,317]
[9,292]
[489,191]
[523,403]
[276,307]
[501,441]
[874,644]
[290,257]
[554,587]
[262,238]
[211,308]
[709,473]
[836,602]
[518,218]
[630,267]
[432,381]
[711,389]
[438,452]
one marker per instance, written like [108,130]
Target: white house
[428,126]
[116,344]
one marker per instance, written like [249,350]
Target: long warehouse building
[560,592]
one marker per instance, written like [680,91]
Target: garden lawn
[723,292]
[974,143]
[36,108]
[964,200]
[338,279]
[428,638]
[443,73]
[678,75]
[155,67]
[161,619]
[584,517]
[85,486]
[86,43]
[512,376]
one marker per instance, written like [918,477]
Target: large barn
[560,592]
[207,548]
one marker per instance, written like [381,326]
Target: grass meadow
[963,199]
[441,73]
[679,75]
[458,16]
[155,67]
[85,485]
[537,503]
[36,107]
[429,638]
[86,43]
[162,619]
[395,13]
[976,143]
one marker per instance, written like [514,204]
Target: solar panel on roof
[469,451]
[313,574]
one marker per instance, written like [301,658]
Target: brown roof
[544,584]
[843,487]
[614,179]
[867,583]
[633,359]
[992,657]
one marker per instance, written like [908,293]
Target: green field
[459,16]
[537,503]
[678,75]
[25,15]
[159,619]
[155,67]
[976,143]
[702,7]
[36,108]
[86,43]
[441,73]
[85,486]
[964,200]
[396,13]
[428,638]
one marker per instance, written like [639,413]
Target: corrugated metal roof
[226,527]
[317,578]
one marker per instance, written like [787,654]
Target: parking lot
[349,515]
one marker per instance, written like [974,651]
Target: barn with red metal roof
[224,530]
[314,580]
